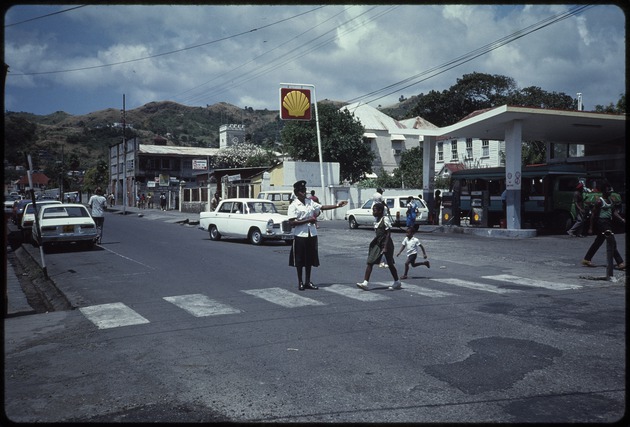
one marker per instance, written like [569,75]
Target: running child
[411,243]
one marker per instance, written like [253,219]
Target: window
[165,164]
[469,148]
[440,151]
[454,155]
[485,148]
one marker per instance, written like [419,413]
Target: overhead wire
[44,16]
[300,52]
[432,72]
[169,52]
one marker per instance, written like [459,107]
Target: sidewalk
[16,300]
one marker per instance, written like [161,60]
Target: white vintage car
[256,220]
[397,206]
[65,223]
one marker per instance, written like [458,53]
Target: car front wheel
[255,237]
[214,233]
[353,223]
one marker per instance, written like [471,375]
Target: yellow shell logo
[296,103]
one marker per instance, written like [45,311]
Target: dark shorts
[411,259]
[304,252]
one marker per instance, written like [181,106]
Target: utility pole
[124,140]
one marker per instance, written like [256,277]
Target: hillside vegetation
[88,137]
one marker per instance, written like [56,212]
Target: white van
[281,198]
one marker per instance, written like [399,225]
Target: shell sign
[295,104]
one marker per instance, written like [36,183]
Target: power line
[470,55]
[170,52]
[44,16]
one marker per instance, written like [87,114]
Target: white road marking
[200,305]
[113,315]
[283,297]
[127,258]
[475,285]
[424,291]
[356,293]
[532,282]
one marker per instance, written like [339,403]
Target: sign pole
[319,139]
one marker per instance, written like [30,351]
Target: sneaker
[383,265]
[587,263]
[363,285]
[428,264]
[621,266]
[396,285]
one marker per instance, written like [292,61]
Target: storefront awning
[396,137]
[371,135]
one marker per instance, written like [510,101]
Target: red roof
[38,178]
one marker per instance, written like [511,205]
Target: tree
[477,91]
[410,170]
[19,136]
[244,155]
[342,141]
[96,176]
[619,108]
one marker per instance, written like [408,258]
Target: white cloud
[347,51]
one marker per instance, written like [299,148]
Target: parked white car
[28,217]
[256,220]
[397,206]
[65,223]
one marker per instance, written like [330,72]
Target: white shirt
[412,245]
[386,221]
[97,203]
[377,197]
[300,211]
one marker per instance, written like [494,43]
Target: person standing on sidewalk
[382,244]
[602,222]
[98,205]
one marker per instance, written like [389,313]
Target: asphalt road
[170,326]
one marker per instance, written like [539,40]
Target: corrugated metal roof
[418,123]
[177,151]
[372,119]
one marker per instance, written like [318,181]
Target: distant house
[388,138]
[40,182]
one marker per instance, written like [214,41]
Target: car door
[364,215]
[238,220]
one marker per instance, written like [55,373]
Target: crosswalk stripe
[532,282]
[200,305]
[282,297]
[355,293]
[424,291]
[112,315]
[475,285]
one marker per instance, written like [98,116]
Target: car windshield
[261,207]
[66,212]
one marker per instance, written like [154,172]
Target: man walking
[98,205]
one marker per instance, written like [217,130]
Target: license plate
[68,228]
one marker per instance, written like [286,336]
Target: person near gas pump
[604,212]
[579,212]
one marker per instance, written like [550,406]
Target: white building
[389,138]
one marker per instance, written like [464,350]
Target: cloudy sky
[81,59]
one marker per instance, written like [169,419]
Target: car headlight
[270,226]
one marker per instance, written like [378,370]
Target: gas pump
[480,200]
